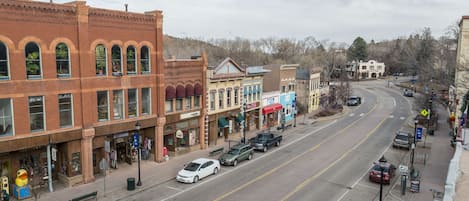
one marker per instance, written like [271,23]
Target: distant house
[365,70]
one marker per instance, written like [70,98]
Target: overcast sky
[336,20]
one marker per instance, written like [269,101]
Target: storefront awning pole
[49,167]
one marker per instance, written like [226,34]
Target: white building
[365,70]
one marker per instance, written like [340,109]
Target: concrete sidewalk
[114,185]
[432,161]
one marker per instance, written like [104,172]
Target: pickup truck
[265,140]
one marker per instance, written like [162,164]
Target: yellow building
[224,90]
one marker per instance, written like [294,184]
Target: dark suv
[236,154]
[354,101]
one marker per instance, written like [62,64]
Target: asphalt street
[323,161]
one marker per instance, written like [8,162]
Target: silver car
[402,140]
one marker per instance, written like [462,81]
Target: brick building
[185,87]
[78,79]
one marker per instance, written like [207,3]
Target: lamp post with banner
[137,144]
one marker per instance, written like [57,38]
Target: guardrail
[453,174]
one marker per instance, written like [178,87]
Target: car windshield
[263,137]
[353,98]
[192,167]
[402,137]
[233,151]
[378,168]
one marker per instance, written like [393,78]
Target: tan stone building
[308,89]
[224,100]
[184,104]
[78,79]
[252,96]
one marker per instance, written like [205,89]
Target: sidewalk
[432,162]
[152,173]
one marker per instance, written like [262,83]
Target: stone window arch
[116,60]
[62,60]
[145,60]
[32,54]
[4,64]
[131,60]
[101,59]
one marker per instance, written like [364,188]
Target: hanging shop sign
[179,134]
[190,115]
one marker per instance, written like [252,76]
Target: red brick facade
[82,29]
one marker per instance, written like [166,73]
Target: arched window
[33,61]
[131,61]
[101,60]
[145,59]
[4,74]
[62,60]
[116,60]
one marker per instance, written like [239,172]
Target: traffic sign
[424,112]
[419,133]
[136,139]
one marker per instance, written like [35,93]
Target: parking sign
[135,140]
[419,133]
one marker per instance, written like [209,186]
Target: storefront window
[220,99]
[118,101]
[76,164]
[196,101]
[188,103]
[168,105]
[178,104]
[228,98]
[103,106]
[236,96]
[146,101]
[36,113]
[65,109]
[133,103]
[6,124]
[212,100]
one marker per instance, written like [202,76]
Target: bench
[216,151]
[89,196]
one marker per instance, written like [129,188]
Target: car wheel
[215,171]
[250,157]
[277,143]
[196,179]
[235,162]
[264,149]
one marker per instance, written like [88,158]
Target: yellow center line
[289,161]
[309,180]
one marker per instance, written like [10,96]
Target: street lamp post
[382,163]
[137,127]
[244,122]
[414,145]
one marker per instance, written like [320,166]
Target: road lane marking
[228,171]
[289,161]
[391,116]
[402,118]
[352,114]
[309,180]
[174,188]
[361,115]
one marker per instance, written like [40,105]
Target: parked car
[198,169]
[354,101]
[402,140]
[388,173]
[408,93]
[265,140]
[237,154]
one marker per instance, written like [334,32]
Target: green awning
[222,123]
[240,117]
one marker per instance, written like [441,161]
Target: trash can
[130,184]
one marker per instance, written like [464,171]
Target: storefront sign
[190,115]
[107,146]
[179,134]
[120,135]
[54,154]
[252,105]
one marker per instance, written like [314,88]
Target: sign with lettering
[419,133]
[190,115]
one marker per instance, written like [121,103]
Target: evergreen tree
[358,50]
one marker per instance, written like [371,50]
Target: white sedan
[198,169]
